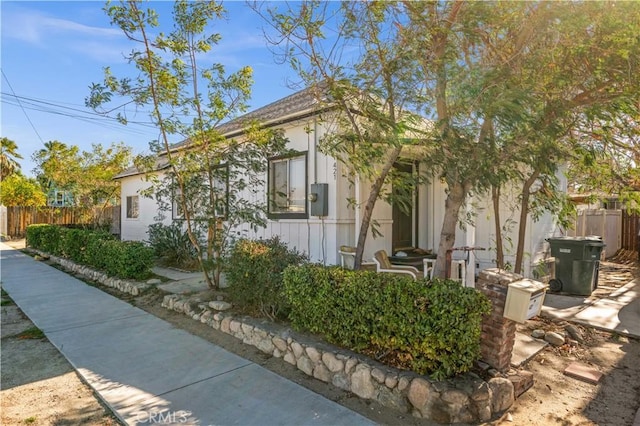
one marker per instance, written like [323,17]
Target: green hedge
[100,250]
[254,274]
[434,326]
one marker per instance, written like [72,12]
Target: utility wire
[21,107]
[58,109]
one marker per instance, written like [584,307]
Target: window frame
[223,216]
[270,190]
[128,207]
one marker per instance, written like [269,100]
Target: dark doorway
[402,215]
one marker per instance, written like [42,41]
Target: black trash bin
[577,263]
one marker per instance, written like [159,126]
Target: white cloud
[36,28]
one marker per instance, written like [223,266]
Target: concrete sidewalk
[618,312]
[146,370]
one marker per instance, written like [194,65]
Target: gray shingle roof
[295,105]
[299,104]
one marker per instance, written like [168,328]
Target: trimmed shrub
[430,327]
[76,240]
[172,245]
[36,234]
[254,273]
[123,259]
[127,259]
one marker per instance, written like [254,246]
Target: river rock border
[464,399]
[131,287]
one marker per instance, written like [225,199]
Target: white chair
[384,265]
[429,267]
[459,270]
[347,256]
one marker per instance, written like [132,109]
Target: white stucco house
[320,229]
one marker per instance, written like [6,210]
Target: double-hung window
[133,207]
[207,195]
[288,187]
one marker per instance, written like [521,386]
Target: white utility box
[524,300]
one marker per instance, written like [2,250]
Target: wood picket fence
[18,218]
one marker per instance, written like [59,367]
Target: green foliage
[8,158]
[435,325]
[212,181]
[171,244]
[88,174]
[254,272]
[122,259]
[18,190]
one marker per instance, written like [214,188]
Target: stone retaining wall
[463,399]
[132,287]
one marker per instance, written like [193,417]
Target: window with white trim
[133,207]
[287,193]
[201,199]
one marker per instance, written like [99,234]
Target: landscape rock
[333,364]
[502,393]
[361,383]
[321,372]
[574,332]
[538,334]
[554,338]
[280,344]
[220,305]
[154,281]
[419,393]
[313,354]
[304,364]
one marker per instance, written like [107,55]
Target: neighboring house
[59,198]
[320,228]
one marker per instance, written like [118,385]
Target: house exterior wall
[135,229]
[321,237]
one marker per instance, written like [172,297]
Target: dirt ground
[39,386]
[555,399]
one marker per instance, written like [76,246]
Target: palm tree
[8,156]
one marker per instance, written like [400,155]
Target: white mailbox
[524,300]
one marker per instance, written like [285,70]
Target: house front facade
[310,208]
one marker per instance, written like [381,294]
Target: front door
[403,214]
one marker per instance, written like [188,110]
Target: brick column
[498,332]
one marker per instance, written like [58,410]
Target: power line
[58,109]
[21,107]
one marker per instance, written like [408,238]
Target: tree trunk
[522,226]
[495,198]
[455,200]
[374,191]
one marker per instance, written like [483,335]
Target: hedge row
[431,327]
[254,273]
[100,250]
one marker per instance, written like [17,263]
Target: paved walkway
[618,312]
[146,370]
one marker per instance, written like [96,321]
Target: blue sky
[53,50]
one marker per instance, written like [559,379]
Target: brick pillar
[498,332]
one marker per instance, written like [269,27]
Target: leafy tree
[57,165]
[371,95]
[189,100]
[18,190]
[87,174]
[8,157]
[510,80]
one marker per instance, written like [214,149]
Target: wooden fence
[630,231]
[18,218]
